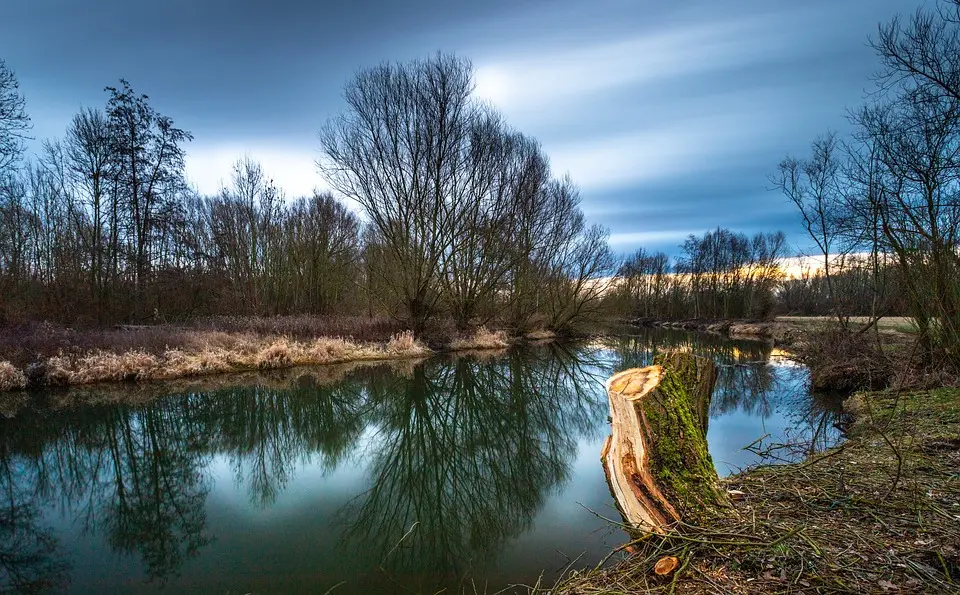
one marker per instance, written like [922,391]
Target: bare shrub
[277,355]
[844,361]
[331,350]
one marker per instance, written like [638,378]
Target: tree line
[720,274]
[463,218]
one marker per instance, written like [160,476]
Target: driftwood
[656,460]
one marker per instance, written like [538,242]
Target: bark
[656,460]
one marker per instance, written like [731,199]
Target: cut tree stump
[656,460]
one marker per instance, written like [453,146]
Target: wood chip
[666,565]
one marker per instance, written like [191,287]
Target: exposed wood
[656,460]
[666,565]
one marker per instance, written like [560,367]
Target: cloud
[552,75]
[714,135]
[292,169]
[645,156]
[620,241]
[670,102]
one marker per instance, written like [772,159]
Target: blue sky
[670,116]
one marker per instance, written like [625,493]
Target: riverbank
[839,360]
[783,331]
[782,334]
[161,353]
[880,513]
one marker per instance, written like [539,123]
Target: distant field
[901,324]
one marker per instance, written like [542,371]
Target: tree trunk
[656,461]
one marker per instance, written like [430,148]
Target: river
[468,473]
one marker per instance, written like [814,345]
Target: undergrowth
[880,513]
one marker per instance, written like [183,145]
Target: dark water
[460,473]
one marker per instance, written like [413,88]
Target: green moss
[677,421]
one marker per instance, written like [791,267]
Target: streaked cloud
[670,116]
[648,238]
[554,75]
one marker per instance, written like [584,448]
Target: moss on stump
[656,460]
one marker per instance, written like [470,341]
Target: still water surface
[457,473]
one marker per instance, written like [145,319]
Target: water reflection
[454,459]
[134,475]
[465,453]
[268,434]
[30,554]
[753,379]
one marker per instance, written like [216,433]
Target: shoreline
[784,331]
[781,334]
[178,353]
[211,353]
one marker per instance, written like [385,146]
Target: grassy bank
[881,513]
[44,355]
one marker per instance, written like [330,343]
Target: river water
[469,474]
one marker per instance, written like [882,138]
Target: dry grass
[481,339]
[879,514]
[32,342]
[358,329]
[215,352]
[46,354]
[888,323]
[11,378]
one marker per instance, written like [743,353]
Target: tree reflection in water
[269,433]
[30,554]
[466,452]
[752,379]
[134,474]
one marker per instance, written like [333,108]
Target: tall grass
[31,342]
[11,378]
[242,352]
[482,338]
[60,356]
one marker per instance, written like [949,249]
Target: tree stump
[656,460]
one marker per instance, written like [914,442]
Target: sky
[671,116]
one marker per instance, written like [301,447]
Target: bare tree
[14,122]
[149,172]
[922,53]
[918,148]
[322,250]
[397,153]
[242,219]
[815,186]
[91,164]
